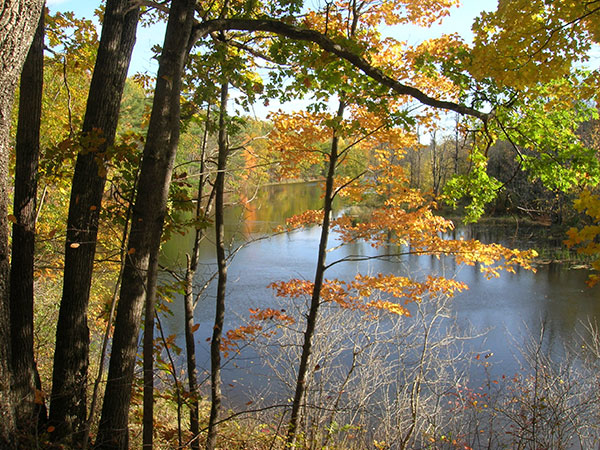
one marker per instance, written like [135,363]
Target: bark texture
[148,215]
[190,273]
[69,380]
[215,344]
[27,151]
[190,347]
[18,21]
[148,354]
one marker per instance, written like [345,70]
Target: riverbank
[514,232]
[500,315]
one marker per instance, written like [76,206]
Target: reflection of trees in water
[515,234]
[555,293]
[272,205]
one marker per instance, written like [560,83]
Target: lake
[509,309]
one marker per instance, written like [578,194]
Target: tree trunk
[23,238]
[456,143]
[18,21]
[190,348]
[148,354]
[69,378]
[435,164]
[215,344]
[146,229]
[315,301]
[192,266]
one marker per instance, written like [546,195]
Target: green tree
[526,62]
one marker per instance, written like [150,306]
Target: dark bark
[436,164]
[27,151]
[148,342]
[18,21]
[315,301]
[148,215]
[192,266]
[190,348]
[456,144]
[69,378]
[215,344]
[148,354]
[111,316]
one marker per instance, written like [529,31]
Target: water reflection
[512,307]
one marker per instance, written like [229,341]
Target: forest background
[126,160]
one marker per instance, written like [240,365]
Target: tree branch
[160,6]
[302,34]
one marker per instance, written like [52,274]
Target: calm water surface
[511,308]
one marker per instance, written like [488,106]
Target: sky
[141,60]
[459,21]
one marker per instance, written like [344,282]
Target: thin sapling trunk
[215,345]
[315,301]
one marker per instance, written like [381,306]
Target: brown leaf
[39,397]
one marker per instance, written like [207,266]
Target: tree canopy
[526,80]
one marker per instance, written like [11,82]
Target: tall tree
[69,381]
[319,279]
[27,151]
[146,229]
[190,273]
[215,343]
[18,22]
[155,177]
